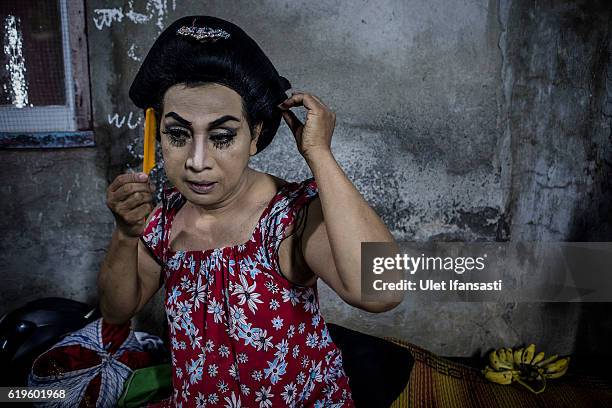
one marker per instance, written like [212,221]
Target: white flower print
[213,370]
[183,309]
[301,327]
[242,358]
[296,351]
[310,300]
[209,346]
[289,393]
[305,361]
[274,304]
[174,321]
[264,397]
[246,293]
[186,282]
[185,390]
[325,338]
[204,269]
[233,402]
[247,265]
[223,351]
[277,323]
[272,286]
[233,370]
[237,315]
[244,389]
[262,340]
[198,293]
[187,325]
[202,356]
[315,320]
[262,258]
[282,349]
[230,265]
[314,372]
[249,334]
[279,206]
[291,331]
[312,339]
[257,375]
[213,398]
[194,370]
[291,295]
[201,401]
[155,235]
[172,298]
[275,370]
[215,258]
[216,308]
[222,386]
[175,262]
[194,339]
[189,263]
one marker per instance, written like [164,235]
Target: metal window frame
[59,126]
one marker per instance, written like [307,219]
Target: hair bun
[208,49]
[285,84]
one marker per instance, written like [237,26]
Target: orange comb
[149,141]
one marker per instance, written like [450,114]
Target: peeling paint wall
[456,120]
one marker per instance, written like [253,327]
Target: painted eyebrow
[221,120]
[211,125]
[178,118]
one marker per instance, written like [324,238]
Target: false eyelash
[223,141]
[175,136]
[178,137]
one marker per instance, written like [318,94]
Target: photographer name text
[431,285]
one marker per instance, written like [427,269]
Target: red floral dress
[241,334]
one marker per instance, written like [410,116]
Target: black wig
[201,49]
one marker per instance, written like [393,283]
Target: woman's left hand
[313,136]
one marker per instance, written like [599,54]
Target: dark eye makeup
[178,137]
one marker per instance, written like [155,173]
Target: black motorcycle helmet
[30,330]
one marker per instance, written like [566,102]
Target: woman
[238,251]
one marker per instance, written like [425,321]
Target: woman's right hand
[129,197]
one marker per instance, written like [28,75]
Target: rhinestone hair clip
[203,34]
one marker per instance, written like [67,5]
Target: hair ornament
[203,34]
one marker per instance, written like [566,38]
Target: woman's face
[206,142]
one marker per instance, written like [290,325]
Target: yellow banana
[556,374]
[557,365]
[547,360]
[523,365]
[539,357]
[496,363]
[501,354]
[499,377]
[528,354]
[518,355]
[510,356]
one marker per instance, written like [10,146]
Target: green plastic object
[147,385]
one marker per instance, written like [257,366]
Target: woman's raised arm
[341,219]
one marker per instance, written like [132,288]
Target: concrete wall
[456,120]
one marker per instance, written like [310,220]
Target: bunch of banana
[524,366]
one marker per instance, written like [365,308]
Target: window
[44,97]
